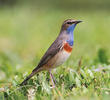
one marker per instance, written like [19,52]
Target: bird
[58,52]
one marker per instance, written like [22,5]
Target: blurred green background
[28,27]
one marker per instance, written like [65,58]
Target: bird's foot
[52,80]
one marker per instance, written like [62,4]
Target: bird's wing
[52,51]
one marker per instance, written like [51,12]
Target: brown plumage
[50,58]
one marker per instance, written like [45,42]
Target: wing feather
[51,52]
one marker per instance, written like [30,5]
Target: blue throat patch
[70,32]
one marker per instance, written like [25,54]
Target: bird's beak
[79,21]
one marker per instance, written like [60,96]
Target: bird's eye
[69,22]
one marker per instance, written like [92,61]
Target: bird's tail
[36,70]
[25,81]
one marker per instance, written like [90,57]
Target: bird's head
[70,24]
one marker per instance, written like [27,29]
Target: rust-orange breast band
[67,48]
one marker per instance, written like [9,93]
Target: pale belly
[61,57]
[57,60]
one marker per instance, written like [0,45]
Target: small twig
[22,87]
[60,94]
[107,89]
[9,84]
[79,65]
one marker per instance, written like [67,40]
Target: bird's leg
[51,76]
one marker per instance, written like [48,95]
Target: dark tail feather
[36,70]
[25,81]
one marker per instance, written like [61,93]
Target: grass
[26,33]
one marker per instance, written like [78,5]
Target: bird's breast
[61,56]
[67,48]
